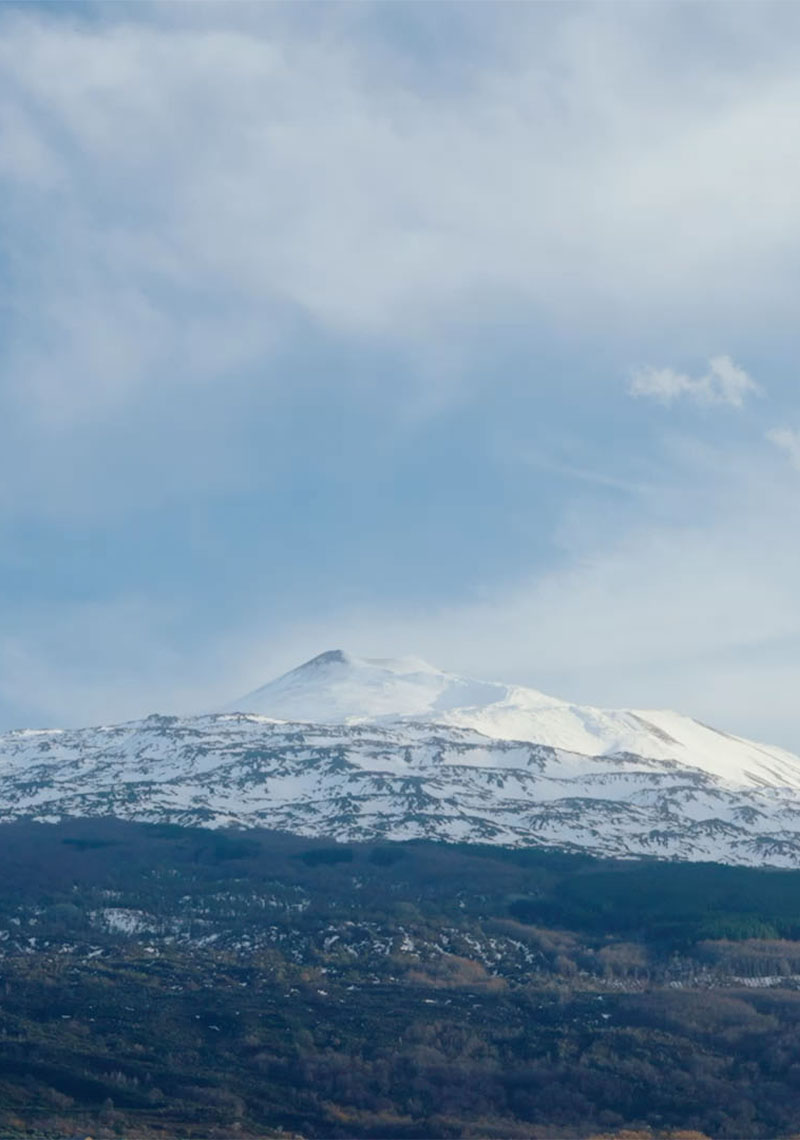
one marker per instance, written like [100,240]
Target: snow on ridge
[363,748]
[338,688]
[396,780]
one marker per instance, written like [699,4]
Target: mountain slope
[336,688]
[396,781]
[353,749]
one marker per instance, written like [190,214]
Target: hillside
[175,982]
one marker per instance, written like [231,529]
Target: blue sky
[459,330]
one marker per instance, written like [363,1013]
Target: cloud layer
[203,182]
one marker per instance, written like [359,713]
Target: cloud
[788,440]
[292,177]
[724,383]
[187,192]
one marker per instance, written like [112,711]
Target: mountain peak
[337,688]
[329,657]
[398,665]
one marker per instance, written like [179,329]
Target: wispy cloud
[788,440]
[240,173]
[723,383]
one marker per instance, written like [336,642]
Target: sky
[466,331]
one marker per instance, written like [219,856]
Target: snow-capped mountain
[358,749]
[336,688]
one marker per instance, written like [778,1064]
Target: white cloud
[788,440]
[246,170]
[724,383]
[185,191]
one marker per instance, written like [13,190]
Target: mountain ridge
[386,749]
[338,688]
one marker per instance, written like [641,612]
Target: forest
[158,981]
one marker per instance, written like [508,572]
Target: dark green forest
[170,982]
